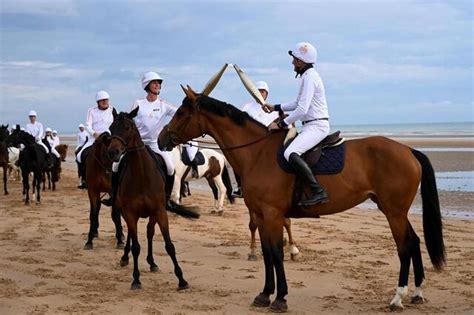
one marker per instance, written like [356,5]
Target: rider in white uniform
[52,143]
[151,118]
[81,136]
[56,139]
[36,129]
[311,108]
[99,118]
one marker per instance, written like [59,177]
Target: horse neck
[228,134]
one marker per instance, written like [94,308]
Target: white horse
[213,170]
[14,171]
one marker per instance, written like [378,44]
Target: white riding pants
[310,135]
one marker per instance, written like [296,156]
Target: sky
[382,61]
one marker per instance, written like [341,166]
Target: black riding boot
[82,175]
[317,194]
[113,190]
[168,190]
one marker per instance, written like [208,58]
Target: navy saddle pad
[331,160]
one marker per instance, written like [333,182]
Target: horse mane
[224,109]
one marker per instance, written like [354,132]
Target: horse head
[125,135]
[185,125]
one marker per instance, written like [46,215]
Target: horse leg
[132,228]
[150,232]
[26,186]
[271,238]
[36,179]
[294,251]
[164,228]
[215,193]
[222,191]
[418,270]
[400,230]
[126,251]
[49,179]
[253,246]
[93,213]
[5,173]
[43,179]
[118,226]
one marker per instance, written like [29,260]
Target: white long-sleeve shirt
[311,101]
[99,121]
[256,112]
[36,130]
[56,141]
[151,118]
[81,137]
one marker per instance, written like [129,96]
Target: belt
[308,121]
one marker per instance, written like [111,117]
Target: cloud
[35,7]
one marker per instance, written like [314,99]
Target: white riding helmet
[32,113]
[81,126]
[148,77]
[55,131]
[262,85]
[304,52]
[48,130]
[102,95]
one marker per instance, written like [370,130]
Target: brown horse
[376,168]
[4,155]
[62,150]
[98,170]
[141,193]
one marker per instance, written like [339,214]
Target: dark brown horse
[4,155]
[98,171]
[62,150]
[376,168]
[141,193]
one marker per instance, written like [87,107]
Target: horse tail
[432,224]
[228,184]
[183,211]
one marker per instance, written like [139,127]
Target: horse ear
[189,93]
[133,113]
[114,112]
[17,127]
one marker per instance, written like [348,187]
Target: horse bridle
[125,143]
[203,134]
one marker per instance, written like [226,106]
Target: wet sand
[348,261]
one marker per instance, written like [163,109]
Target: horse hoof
[88,246]
[395,307]
[120,246]
[183,286]
[154,268]
[136,285]
[213,212]
[417,299]
[279,306]
[6,193]
[252,257]
[96,235]
[220,213]
[262,300]
[123,263]
[295,257]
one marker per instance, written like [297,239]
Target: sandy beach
[348,262]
